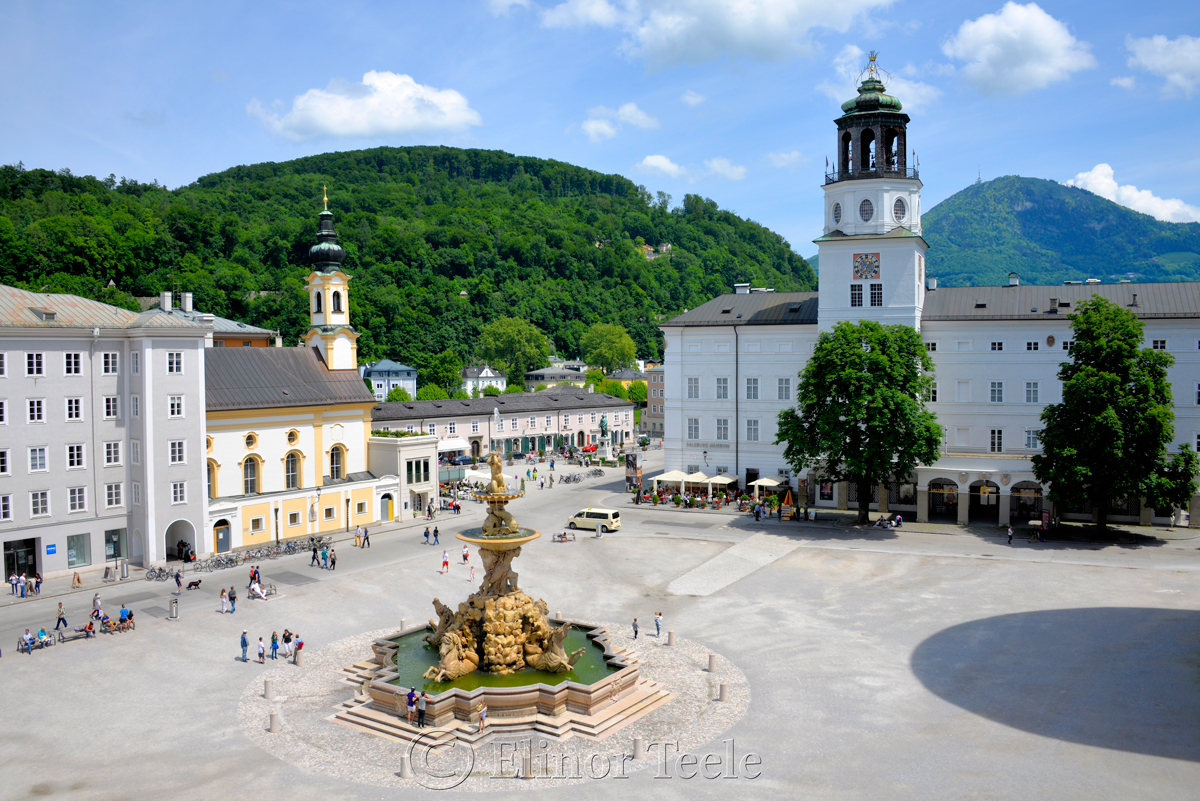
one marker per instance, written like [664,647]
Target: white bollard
[298,659]
[405,768]
[723,695]
[275,727]
[671,637]
[527,766]
[403,624]
[268,690]
[639,748]
[558,616]
[712,663]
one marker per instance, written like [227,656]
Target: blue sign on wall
[51,549]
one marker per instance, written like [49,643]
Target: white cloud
[725,169]
[1017,49]
[1100,179]
[1125,82]
[692,98]
[599,130]
[849,64]
[669,32]
[663,165]
[1177,60]
[785,159]
[633,115]
[385,103]
[500,7]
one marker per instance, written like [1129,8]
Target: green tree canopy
[595,378]
[1108,438]
[398,395]
[444,370]
[491,391]
[432,392]
[638,392]
[860,415]
[512,389]
[609,347]
[514,346]
[614,388]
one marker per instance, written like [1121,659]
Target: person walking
[287,643]
[314,559]
[635,628]
[551,481]
[421,709]
[274,644]
[427,535]
[1010,535]
[12,581]
[445,562]
[435,535]
[262,652]
[232,600]
[543,484]
[332,559]
[658,624]
[366,542]
[178,583]
[357,536]
[245,645]
[96,612]
[37,583]
[472,578]
[21,584]
[482,709]
[224,602]
[466,554]
[62,617]
[251,584]
[325,557]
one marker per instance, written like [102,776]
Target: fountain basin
[502,543]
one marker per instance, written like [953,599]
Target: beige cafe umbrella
[672,477]
[769,481]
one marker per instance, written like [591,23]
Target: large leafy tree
[432,392]
[1109,436]
[443,370]
[638,392]
[860,414]
[398,395]
[608,347]
[514,346]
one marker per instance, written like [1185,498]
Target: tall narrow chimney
[932,283]
[164,300]
[187,301]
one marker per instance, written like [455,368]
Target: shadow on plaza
[1111,677]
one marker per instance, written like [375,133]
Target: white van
[603,520]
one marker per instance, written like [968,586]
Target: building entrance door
[20,556]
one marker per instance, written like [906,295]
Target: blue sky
[730,99]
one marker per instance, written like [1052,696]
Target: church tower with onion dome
[872,254]
[329,329]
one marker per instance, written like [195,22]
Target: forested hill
[1049,233]
[439,240]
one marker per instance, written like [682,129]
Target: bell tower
[329,329]
[872,254]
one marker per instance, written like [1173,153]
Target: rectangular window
[962,391]
[360,508]
[566,420]
[410,430]
[175,361]
[752,431]
[258,524]
[549,421]
[722,428]
[134,361]
[997,441]
[135,451]
[36,410]
[1031,391]
[693,388]
[33,364]
[751,389]
[931,393]
[112,407]
[1033,345]
[452,428]
[330,512]
[72,364]
[876,294]
[3,412]
[997,395]
[178,451]
[433,428]
[6,507]
[581,420]
[112,453]
[474,426]
[1067,345]
[135,406]
[930,347]
[5,469]
[532,422]
[74,457]
[79,550]
[136,491]
[997,346]
[174,406]
[722,389]
[1033,439]
[293,518]
[74,409]
[37,460]
[693,428]
[109,363]
[856,294]
[178,492]
[77,499]
[785,389]
[1159,344]
[515,421]
[39,503]
[3,365]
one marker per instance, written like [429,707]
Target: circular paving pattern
[306,699]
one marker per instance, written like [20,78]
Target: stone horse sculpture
[456,660]
[445,621]
[555,658]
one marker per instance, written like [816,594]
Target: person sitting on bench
[27,640]
[123,620]
[256,589]
[106,624]
[87,631]
[43,637]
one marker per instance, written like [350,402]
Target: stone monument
[604,446]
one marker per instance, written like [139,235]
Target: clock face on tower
[866,266]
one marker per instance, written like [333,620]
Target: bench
[80,631]
[37,643]
[566,536]
[269,589]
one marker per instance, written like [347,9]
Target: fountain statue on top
[498,629]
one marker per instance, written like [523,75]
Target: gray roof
[554,374]
[549,400]
[268,378]
[220,325]
[1166,300]
[387,365]
[475,370]
[627,375]
[23,309]
[755,308]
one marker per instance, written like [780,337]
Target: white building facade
[732,364]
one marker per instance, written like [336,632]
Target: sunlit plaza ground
[893,664]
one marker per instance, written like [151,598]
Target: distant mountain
[1049,233]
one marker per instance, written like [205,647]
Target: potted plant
[678,499]
[655,499]
[541,454]
[703,503]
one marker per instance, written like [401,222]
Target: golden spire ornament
[325,190]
